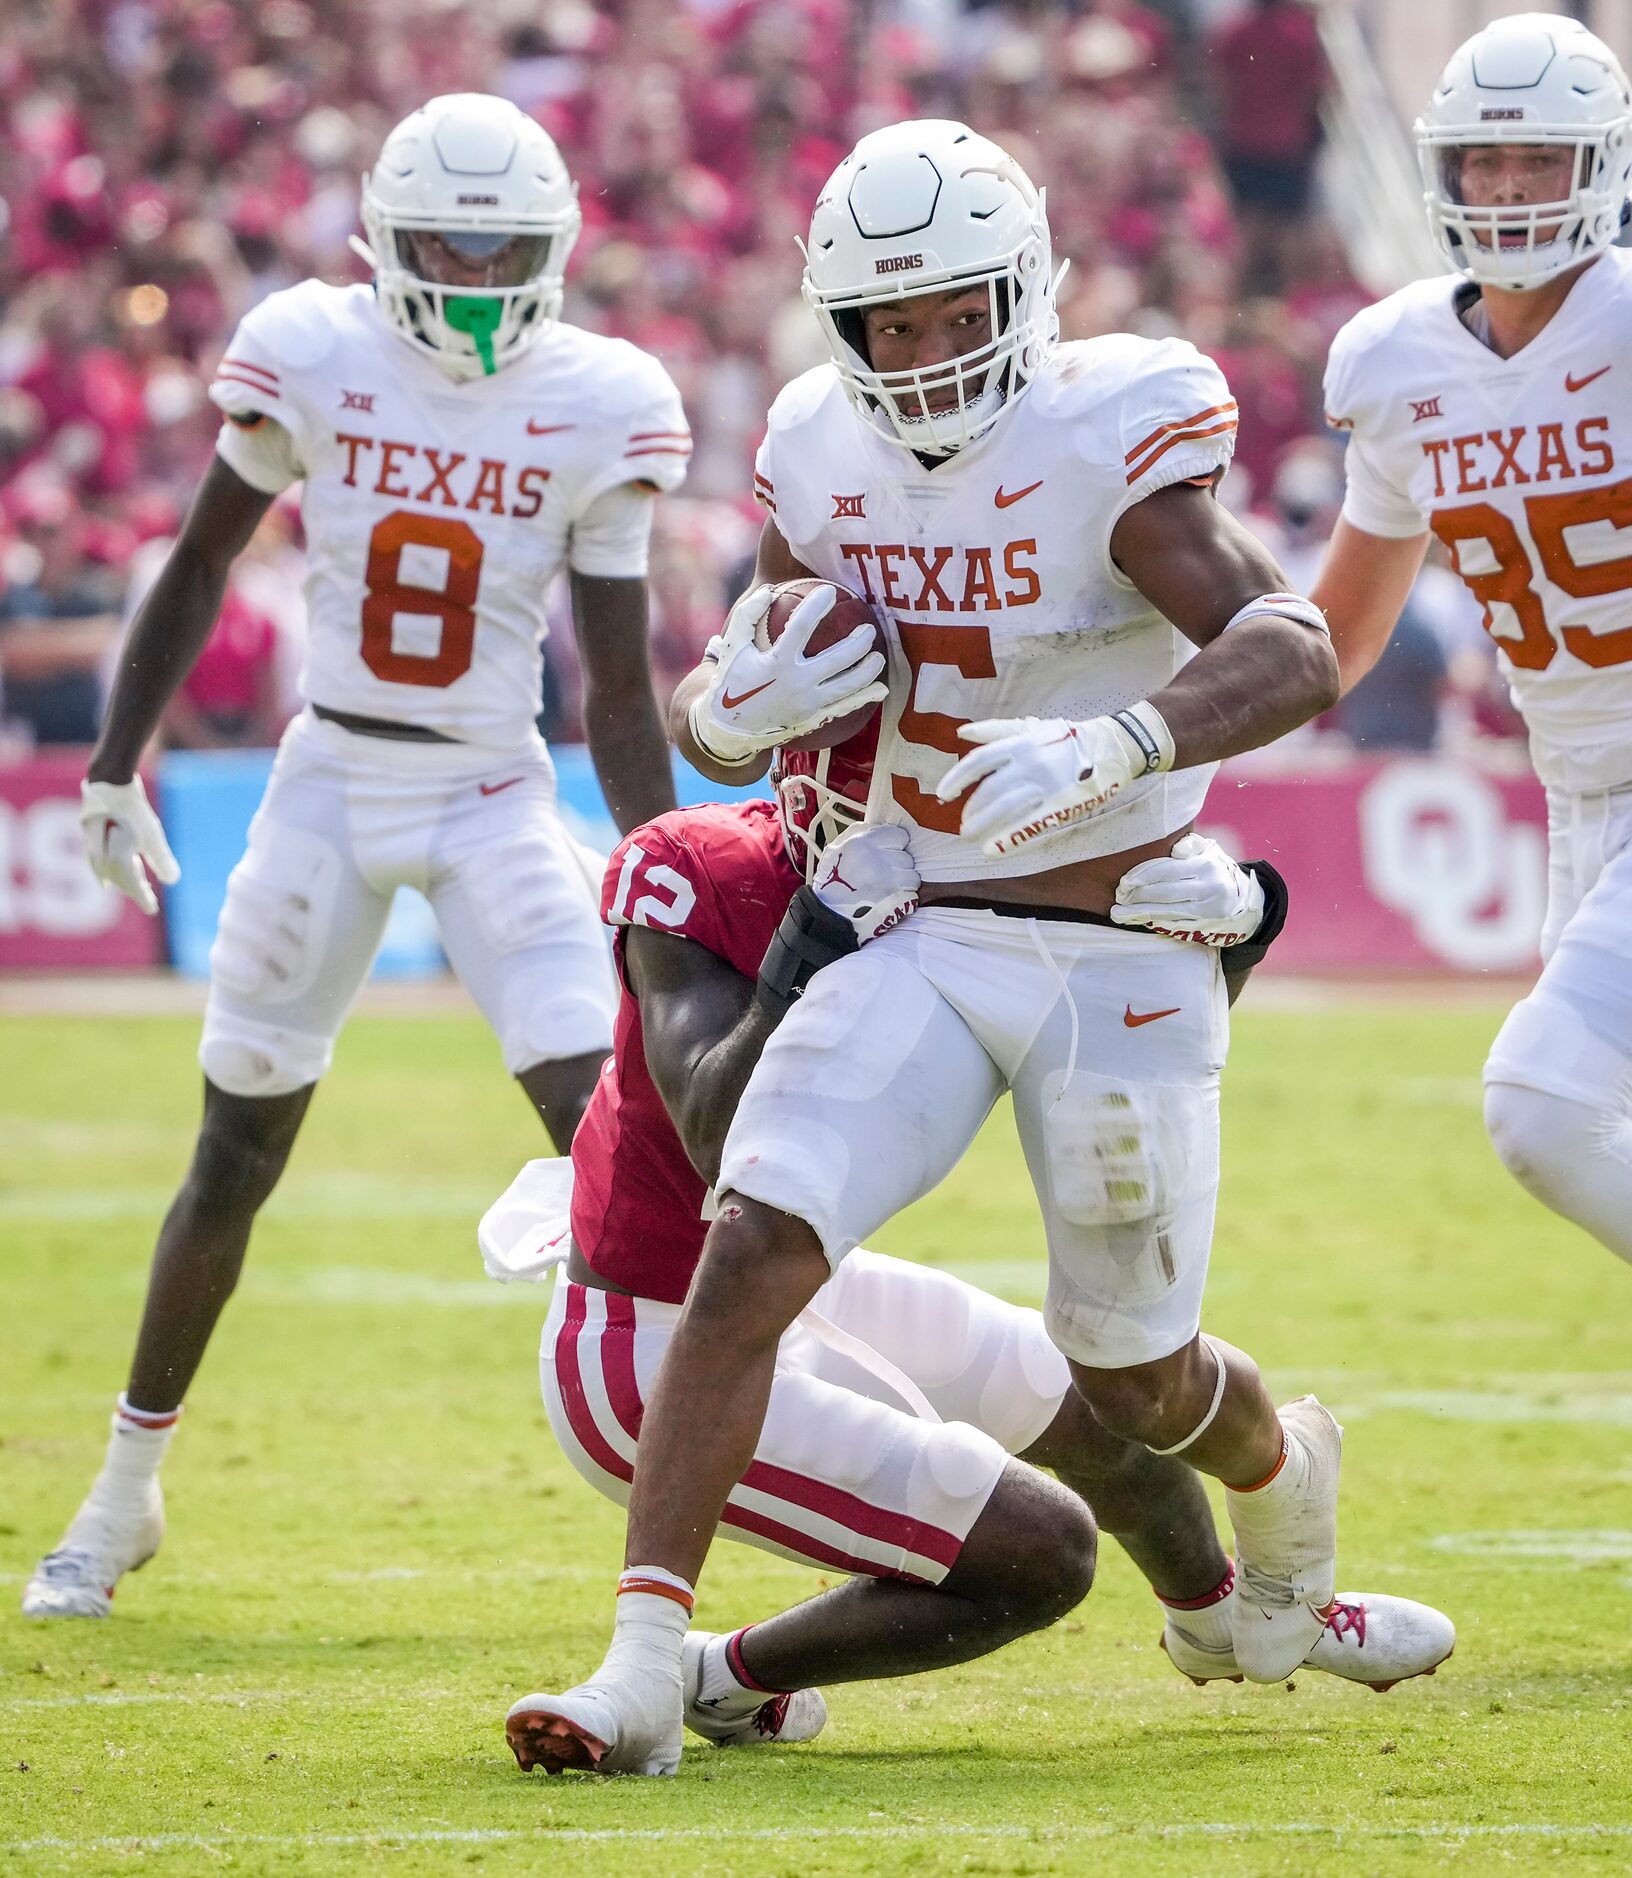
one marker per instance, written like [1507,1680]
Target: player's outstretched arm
[175,619]
[1363,585]
[703,1032]
[1270,673]
[621,721]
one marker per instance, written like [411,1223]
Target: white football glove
[760,697]
[1196,892]
[1033,776]
[869,877]
[121,832]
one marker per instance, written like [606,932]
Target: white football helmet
[1534,78]
[919,208]
[470,216]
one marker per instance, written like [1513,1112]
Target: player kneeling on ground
[902,1396]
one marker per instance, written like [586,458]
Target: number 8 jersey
[438,513]
[1522,467]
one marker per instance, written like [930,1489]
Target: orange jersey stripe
[1183,423]
[1183,436]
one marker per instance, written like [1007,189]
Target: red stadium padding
[54,914]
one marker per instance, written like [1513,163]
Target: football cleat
[730,1722]
[105,1541]
[621,1721]
[1366,1637]
[1286,1548]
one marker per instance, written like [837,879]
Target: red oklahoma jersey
[720,876]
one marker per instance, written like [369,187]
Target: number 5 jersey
[993,572]
[1523,468]
[438,513]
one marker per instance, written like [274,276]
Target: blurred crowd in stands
[166,163]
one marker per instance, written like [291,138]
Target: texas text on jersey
[1522,467]
[994,574]
[437,513]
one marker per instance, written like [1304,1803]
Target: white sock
[654,1613]
[724,1686]
[1208,1622]
[135,1448]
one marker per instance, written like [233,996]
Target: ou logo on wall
[1440,850]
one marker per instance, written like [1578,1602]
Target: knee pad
[1132,1181]
[275,922]
[1543,1139]
[246,1058]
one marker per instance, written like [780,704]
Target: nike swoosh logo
[1572,383]
[493,789]
[728,703]
[1008,501]
[546,430]
[1133,1019]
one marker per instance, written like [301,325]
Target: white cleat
[1366,1637]
[1286,1548]
[800,1715]
[622,1721]
[104,1542]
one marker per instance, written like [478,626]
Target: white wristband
[1147,730]
[708,750]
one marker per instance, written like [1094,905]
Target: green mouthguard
[478,318]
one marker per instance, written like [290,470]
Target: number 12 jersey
[438,513]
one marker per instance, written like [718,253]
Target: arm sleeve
[653,879]
[764,485]
[1373,500]
[612,536]
[260,439]
[261,451]
[649,442]
[1178,421]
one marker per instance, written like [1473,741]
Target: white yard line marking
[312,1196]
[130,1698]
[1570,1546]
[726,1835]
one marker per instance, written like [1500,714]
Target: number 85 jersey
[437,513]
[1522,467]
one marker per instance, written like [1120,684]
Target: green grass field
[374,1546]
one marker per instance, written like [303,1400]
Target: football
[849,612]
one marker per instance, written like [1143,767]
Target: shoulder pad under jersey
[802,398]
[625,395]
[285,335]
[1176,419]
[1354,385]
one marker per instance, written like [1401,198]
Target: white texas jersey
[437,513]
[993,572]
[1523,468]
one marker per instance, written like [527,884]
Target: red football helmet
[821,793]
